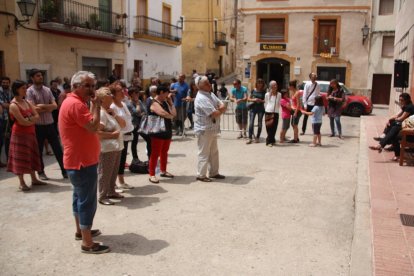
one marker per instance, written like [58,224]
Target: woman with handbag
[255,103]
[24,154]
[163,109]
[336,97]
[272,106]
[111,146]
[121,110]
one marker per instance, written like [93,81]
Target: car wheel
[355,110]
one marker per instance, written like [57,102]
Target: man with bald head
[208,109]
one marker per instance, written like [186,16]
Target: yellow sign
[325,55]
[272,47]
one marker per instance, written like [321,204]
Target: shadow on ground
[146,190]
[132,244]
[137,202]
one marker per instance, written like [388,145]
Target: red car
[354,106]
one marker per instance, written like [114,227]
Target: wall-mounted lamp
[27,8]
[365,33]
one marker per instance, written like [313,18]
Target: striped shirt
[41,96]
[206,103]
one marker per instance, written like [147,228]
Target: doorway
[381,88]
[274,69]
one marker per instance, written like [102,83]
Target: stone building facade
[63,37]
[403,49]
[285,40]
[155,31]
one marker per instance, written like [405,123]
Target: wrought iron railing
[156,28]
[220,39]
[76,14]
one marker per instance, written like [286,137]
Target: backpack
[138,166]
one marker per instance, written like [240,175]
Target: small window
[388,46]
[272,30]
[386,7]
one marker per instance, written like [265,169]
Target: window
[386,7]
[272,28]
[388,46]
[326,35]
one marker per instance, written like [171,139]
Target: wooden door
[327,33]
[166,19]
[381,88]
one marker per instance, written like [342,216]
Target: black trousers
[4,140]
[271,130]
[134,143]
[49,132]
[305,118]
[392,134]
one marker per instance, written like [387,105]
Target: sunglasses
[89,86]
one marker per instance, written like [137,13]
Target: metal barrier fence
[227,120]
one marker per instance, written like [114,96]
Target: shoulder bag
[269,118]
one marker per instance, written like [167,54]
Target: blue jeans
[251,126]
[337,120]
[84,183]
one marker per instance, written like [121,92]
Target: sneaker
[119,190]
[43,176]
[269,145]
[96,248]
[124,186]
[249,142]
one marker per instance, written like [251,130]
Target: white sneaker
[119,190]
[125,186]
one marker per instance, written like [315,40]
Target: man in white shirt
[310,92]
[208,109]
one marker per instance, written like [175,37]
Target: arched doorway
[274,69]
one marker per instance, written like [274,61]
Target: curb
[361,248]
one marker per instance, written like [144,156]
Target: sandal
[166,174]
[24,188]
[153,179]
[378,148]
[204,179]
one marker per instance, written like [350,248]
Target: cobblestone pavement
[286,210]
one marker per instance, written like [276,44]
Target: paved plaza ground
[286,210]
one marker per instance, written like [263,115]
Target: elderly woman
[257,100]
[23,151]
[121,110]
[336,97]
[163,107]
[111,146]
[272,106]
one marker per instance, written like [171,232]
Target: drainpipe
[235,35]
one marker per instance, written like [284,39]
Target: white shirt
[206,103]
[307,90]
[272,103]
[110,125]
[124,113]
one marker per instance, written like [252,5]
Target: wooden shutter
[326,31]
[272,29]
[388,46]
[386,7]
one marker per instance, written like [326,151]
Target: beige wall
[404,48]
[60,54]
[353,55]
[198,49]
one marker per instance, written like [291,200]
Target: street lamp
[365,33]
[27,8]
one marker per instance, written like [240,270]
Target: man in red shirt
[77,127]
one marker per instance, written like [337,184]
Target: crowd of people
[90,128]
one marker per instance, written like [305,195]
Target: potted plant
[49,11]
[94,21]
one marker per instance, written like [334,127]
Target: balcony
[153,30]
[74,18]
[220,39]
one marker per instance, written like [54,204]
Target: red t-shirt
[81,147]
